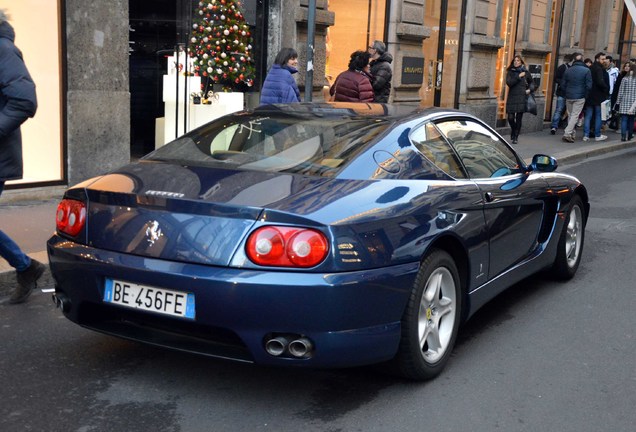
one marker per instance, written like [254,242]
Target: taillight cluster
[281,246]
[71,217]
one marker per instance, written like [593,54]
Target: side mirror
[543,163]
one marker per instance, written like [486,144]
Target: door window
[429,141]
[481,152]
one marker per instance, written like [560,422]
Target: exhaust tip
[276,346]
[301,348]
[62,302]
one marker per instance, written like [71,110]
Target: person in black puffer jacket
[17,103]
[381,72]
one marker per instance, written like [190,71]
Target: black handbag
[531,104]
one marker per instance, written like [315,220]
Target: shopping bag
[606,110]
[531,104]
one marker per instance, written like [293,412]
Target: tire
[432,316]
[570,247]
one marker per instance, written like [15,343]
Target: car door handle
[489,196]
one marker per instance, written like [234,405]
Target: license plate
[153,299]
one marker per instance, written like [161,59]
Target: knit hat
[379,47]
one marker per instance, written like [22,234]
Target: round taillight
[287,247]
[70,217]
[307,248]
[266,246]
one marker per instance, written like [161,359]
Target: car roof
[390,112]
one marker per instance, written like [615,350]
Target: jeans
[11,251]
[558,112]
[592,111]
[627,126]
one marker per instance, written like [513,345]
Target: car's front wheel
[570,245]
[431,319]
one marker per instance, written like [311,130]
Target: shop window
[358,24]
[41,135]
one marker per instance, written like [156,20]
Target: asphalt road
[543,356]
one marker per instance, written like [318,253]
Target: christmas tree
[221,46]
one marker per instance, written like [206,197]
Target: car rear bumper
[350,318]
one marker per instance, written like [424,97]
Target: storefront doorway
[441,53]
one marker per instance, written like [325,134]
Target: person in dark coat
[280,86]
[520,85]
[576,83]
[354,84]
[381,73]
[17,103]
[598,94]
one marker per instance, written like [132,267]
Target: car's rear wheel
[431,319]
[570,245]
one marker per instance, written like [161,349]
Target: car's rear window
[319,146]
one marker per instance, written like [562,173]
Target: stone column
[406,33]
[479,58]
[98,97]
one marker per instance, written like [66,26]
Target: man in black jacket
[598,94]
[380,71]
[560,93]
[17,103]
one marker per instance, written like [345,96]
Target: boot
[27,281]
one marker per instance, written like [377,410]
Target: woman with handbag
[520,86]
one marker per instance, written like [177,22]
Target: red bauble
[209,46]
[205,73]
[241,76]
[229,48]
[237,80]
[218,48]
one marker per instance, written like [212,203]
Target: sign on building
[412,70]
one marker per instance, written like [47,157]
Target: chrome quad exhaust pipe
[289,346]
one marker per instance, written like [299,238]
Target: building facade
[98,66]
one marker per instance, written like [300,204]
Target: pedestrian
[18,102]
[560,94]
[354,84]
[612,71]
[576,82]
[626,101]
[381,73]
[280,85]
[597,95]
[520,85]
[615,121]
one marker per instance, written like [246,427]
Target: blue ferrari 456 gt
[319,235]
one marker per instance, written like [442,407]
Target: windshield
[305,145]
